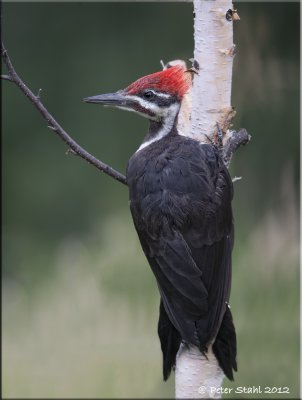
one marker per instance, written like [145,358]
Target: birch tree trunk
[195,375]
[214,51]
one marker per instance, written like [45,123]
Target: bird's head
[154,96]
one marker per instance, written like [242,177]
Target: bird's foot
[217,139]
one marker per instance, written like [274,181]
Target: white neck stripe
[160,134]
[166,127]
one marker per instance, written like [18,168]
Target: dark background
[79,302]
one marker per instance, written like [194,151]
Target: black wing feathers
[180,199]
[225,346]
[170,341]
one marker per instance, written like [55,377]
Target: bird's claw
[219,144]
[216,140]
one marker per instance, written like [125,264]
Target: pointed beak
[109,99]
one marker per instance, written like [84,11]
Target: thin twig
[6,78]
[53,124]
[236,178]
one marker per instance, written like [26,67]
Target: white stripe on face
[159,94]
[168,122]
[149,109]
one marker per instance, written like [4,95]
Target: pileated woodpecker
[180,200]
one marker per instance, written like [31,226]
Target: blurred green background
[80,305]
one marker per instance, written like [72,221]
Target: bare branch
[233,142]
[73,146]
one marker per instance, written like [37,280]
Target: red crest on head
[174,80]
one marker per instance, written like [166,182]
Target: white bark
[195,375]
[211,94]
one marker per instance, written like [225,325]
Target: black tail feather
[225,346]
[170,341]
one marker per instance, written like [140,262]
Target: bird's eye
[148,94]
